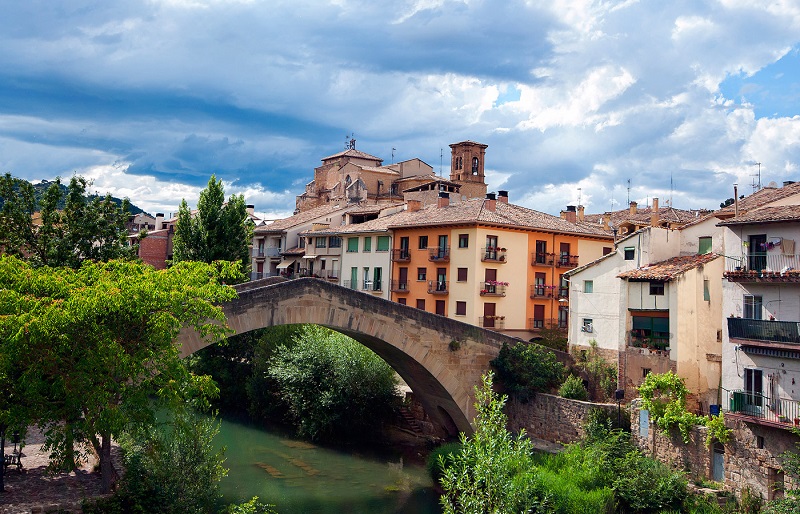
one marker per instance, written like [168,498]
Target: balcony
[438,287]
[761,409]
[439,254]
[330,275]
[763,267]
[496,322]
[542,291]
[399,287]
[767,332]
[371,286]
[567,261]
[542,259]
[652,340]
[493,288]
[494,254]
[350,284]
[563,292]
[535,324]
[401,255]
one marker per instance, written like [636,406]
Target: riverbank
[35,490]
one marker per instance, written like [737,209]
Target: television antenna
[757,185]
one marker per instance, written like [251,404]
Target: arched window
[347,181]
[474,165]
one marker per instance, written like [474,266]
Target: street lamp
[619,394]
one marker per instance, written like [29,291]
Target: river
[299,477]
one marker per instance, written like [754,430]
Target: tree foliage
[83,230]
[572,388]
[333,386]
[94,346]
[525,369]
[219,230]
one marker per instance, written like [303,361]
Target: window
[563,316]
[587,325]
[423,242]
[367,281]
[541,252]
[651,330]
[752,307]
[706,291]
[440,307]
[367,244]
[352,244]
[630,251]
[383,244]
[588,286]
[320,242]
[377,279]
[462,274]
[753,386]
[474,165]
[645,372]
[335,242]
[401,300]
[461,308]
[463,240]
[704,245]
[657,288]
[491,243]
[422,274]
[421,304]
[607,250]
[538,316]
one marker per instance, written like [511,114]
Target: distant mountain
[41,187]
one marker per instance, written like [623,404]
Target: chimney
[606,221]
[414,205]
[159,220]
[491,202]
[251,209]
[654,213]
[502,196]
[444,199]
[788,183]
[633,208]
[736,200]
[570,214]
[580,213]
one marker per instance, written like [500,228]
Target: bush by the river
[440,458]
[527,369]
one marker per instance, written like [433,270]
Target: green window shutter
[367,244]
[352,244]
[705,245]
[383,243]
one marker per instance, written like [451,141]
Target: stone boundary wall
[552,418]
[751,457]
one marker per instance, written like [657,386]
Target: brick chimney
[414,205]
[502,196]
[654,213]
[570,214]
[251,209]
[491,202]
[580,213]
[606,221]
[444,199]
[633,208]
[159,220]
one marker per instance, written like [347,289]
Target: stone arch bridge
[415,343]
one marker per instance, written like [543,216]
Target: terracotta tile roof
[351,152]
[505,214]
[668,269]
[298,219]
[762,197]
[766,215]
[643,215]
[294,251]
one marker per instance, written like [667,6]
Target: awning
[286,263]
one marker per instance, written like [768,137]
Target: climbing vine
[664,396]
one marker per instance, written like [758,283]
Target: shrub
[526,369]
[573,389]
[646,485]
[441,457]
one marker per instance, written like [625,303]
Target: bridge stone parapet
[417,344]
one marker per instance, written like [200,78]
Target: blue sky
[574,97]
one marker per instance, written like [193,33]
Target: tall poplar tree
[219,230]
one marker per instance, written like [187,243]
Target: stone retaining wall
[552,418]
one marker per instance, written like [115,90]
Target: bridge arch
[414,343]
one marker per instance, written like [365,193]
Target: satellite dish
[772,184]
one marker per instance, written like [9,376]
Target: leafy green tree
[527,369]
[573,388]
[95,345]
[219,230]
[84,229]
[334,387]
[494,471]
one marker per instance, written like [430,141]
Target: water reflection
[297,476]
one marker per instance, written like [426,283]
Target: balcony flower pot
[797,422]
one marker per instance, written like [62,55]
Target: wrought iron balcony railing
[567,261]
[493,288]
[762,407]
[763,266]
[497,322]
[762,330]
[401,255]
[399,287]
[439,254]
[654,340]
[493,254]
[542,259]
[438,286]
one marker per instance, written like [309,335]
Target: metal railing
[654,340]
[439,254]
[542,259]
[494,255]
[567,261]
[493,288]
[370,285]
[563,292]
[761,330]
[761,406]
[401,255]
[438,286]
[399,287]
[350,284]
[536,323]
[497,322]
[763,261]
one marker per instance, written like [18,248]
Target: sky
[597,102]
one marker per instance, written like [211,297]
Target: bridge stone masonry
[415,343]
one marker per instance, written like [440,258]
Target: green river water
[299,477]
